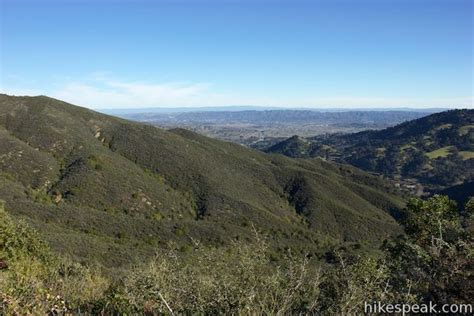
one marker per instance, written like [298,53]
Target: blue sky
[352,53]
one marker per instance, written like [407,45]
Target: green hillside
[437,150]
[242,277]
[104,189]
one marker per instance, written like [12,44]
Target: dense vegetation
[432,262]
[102,215]
[112,191]
[437,150]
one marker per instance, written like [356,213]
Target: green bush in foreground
[34,281]
[433,262]
[237,279]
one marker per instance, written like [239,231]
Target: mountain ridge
[437,150]
[105,189]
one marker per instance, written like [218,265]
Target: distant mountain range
[238,108]
[436,151]
[105,189]
[281,116]
[231,108]
[270,126]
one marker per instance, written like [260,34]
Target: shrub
[235,279]
[433,262]
[349,284]
[34,281]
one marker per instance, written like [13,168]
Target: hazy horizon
[197,108]
[266,108]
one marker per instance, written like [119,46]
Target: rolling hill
[103,189]
[436,151]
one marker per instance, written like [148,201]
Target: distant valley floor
[261,128]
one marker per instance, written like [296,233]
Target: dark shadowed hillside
[436,151]
[460,193]
[106,189]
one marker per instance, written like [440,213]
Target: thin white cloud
[101,91]
[122,94]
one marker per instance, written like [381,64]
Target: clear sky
[326,53]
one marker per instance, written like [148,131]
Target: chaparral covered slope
[109,190]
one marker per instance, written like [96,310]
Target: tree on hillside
[435,260]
